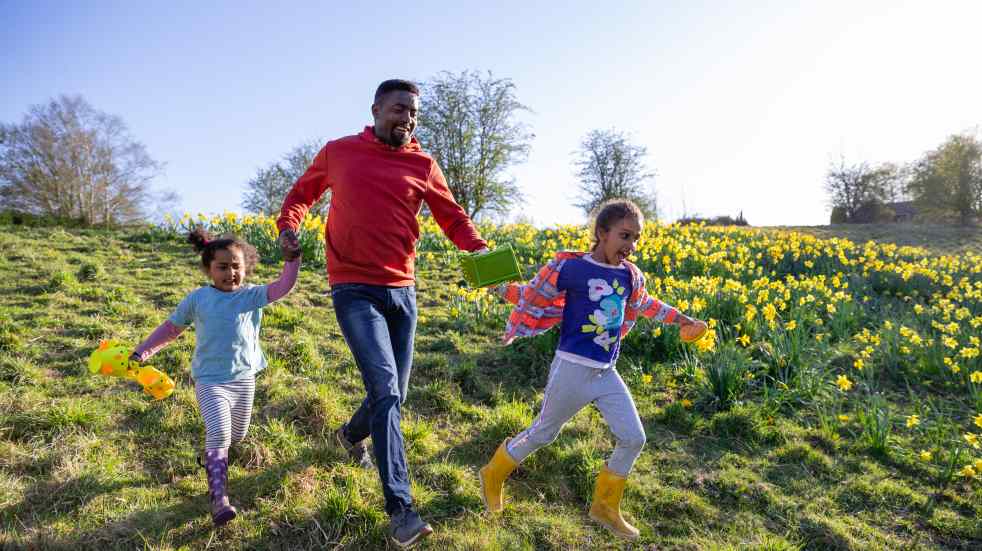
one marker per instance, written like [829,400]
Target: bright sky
[740,104]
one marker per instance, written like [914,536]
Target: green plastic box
[482,270]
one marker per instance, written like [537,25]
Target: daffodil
[769,312]
[925,455]
[707,342]
[913,421]
[843,383]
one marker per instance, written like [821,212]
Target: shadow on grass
[188,523]
[46,501]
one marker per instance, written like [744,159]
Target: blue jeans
[379,324]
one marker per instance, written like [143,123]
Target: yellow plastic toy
[113,360]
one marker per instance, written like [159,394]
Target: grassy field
[940,239]
[90,463]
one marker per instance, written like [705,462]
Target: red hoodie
[376,193]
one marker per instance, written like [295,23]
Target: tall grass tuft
[725,370]
[877,425]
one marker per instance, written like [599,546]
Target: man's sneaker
[358,453]
[406,529]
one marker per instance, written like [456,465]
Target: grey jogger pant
[571,387]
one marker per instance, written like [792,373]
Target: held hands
[290,245]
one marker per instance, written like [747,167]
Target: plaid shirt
[539,304]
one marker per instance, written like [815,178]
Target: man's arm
[454,222]
[305,192]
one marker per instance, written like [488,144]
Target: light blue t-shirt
[226,332]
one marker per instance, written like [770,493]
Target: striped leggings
[226,409]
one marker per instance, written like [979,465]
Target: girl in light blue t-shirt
[226,316]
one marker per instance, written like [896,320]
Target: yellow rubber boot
[606,507]
[493,477]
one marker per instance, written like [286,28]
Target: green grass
[90,463]
[937,238]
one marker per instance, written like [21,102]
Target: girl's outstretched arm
[161,337]
[542,286]
[651,307]
[284,284]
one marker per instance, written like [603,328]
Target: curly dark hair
[612,211]
[205,244]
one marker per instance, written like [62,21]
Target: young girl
[227,356]
[596,296]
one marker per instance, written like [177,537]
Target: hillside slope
[91,463]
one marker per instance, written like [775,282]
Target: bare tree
[947,182]
[266,190]
[468,122]
[68,160]
[859,188]
[895,179]
[610,166]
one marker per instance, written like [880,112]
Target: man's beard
[395,141]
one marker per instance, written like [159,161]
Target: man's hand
[289,244]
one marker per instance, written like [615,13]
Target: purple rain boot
[216,465]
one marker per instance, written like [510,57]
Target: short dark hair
[394,84]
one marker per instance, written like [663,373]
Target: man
[378,181]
